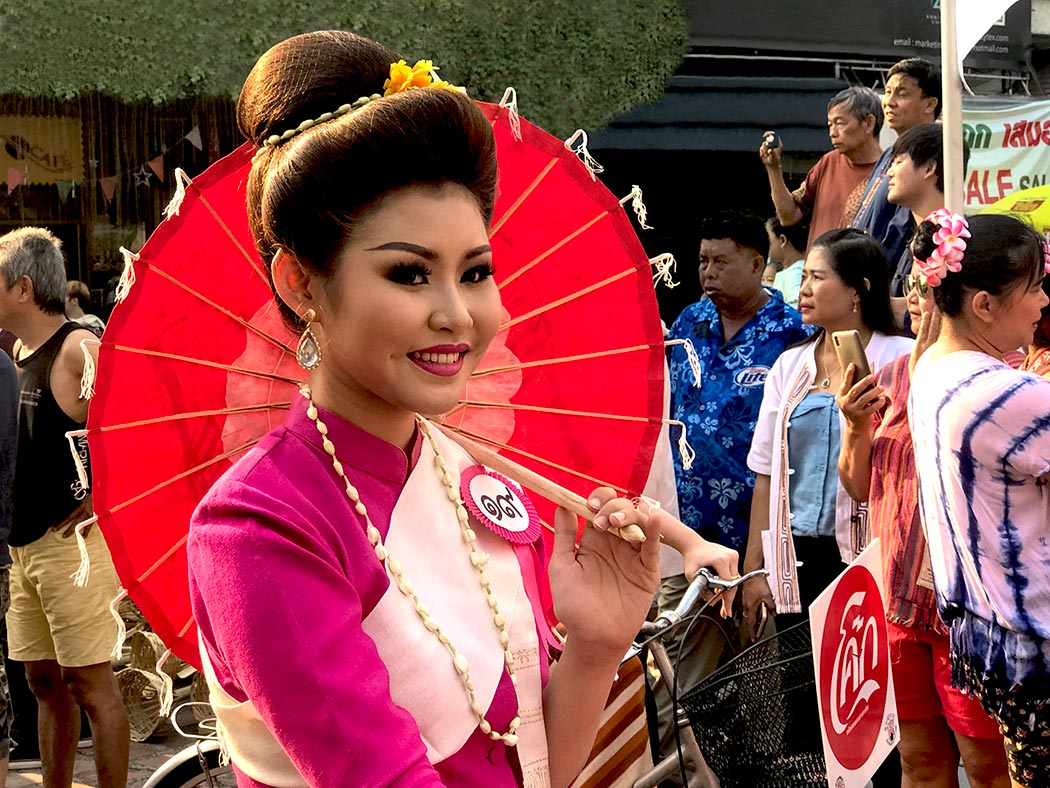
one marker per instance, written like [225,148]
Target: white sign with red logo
[858,707]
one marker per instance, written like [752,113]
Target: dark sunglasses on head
[916,283]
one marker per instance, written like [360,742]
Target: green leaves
[575,63]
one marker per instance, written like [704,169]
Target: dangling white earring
[308,351]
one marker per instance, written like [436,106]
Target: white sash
[426,538]
[244,737]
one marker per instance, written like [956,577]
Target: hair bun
[922,244]
[307,75]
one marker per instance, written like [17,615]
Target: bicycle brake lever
[724,585]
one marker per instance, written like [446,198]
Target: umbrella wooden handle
[576,504]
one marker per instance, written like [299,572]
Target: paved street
[146,757]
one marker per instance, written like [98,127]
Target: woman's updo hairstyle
[305,194]
[860,261]
[1002,254]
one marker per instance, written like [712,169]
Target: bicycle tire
[190,775]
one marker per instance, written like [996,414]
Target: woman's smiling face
[411,307]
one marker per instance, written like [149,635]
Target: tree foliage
[573,62]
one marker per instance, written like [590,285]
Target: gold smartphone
[850,350]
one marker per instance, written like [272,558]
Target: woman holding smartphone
[798,497]
[938,723]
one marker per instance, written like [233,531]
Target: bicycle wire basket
[756,717]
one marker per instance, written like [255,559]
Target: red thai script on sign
[1026,134]
[854,667]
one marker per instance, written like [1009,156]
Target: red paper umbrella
[195,365]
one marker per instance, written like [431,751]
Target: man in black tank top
[63,633]
[8,455]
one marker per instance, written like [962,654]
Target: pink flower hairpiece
[950,245]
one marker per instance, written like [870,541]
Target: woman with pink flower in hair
[982,448]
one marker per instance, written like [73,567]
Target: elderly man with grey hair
[831,193]
[63,633]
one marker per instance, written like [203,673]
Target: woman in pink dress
[359,626]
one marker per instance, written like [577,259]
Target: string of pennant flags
[16,176]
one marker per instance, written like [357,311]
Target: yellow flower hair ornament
[422,75]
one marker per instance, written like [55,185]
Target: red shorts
[922,679]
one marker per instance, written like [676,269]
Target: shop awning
[724,113]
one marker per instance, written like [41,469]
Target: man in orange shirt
[831,193]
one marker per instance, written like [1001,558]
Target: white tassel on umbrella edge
[684,449]
[182,180]
[593,167]
[224,746]
[87,380]
[122,628]
[157,682]
[167,690]
[83,573]
[82,476]
[665,265]
[691,356]
[510,103]
[637,206]
[694,363]
[127,276]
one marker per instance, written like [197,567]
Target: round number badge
[500,504]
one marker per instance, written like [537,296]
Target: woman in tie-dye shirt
[982,448]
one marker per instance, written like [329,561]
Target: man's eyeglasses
[916,283]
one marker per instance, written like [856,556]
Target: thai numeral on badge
[501,506]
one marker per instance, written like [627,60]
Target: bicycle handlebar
[701,583]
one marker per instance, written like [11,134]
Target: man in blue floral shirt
[737,333]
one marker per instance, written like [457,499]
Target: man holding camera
[831,193]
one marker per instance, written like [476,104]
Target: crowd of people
[413,649]
[807,461]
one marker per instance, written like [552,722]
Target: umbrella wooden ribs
[196,365]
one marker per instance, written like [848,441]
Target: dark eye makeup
[416,273]
[409,273]
[478,273]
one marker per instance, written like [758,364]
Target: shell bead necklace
[478,559]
